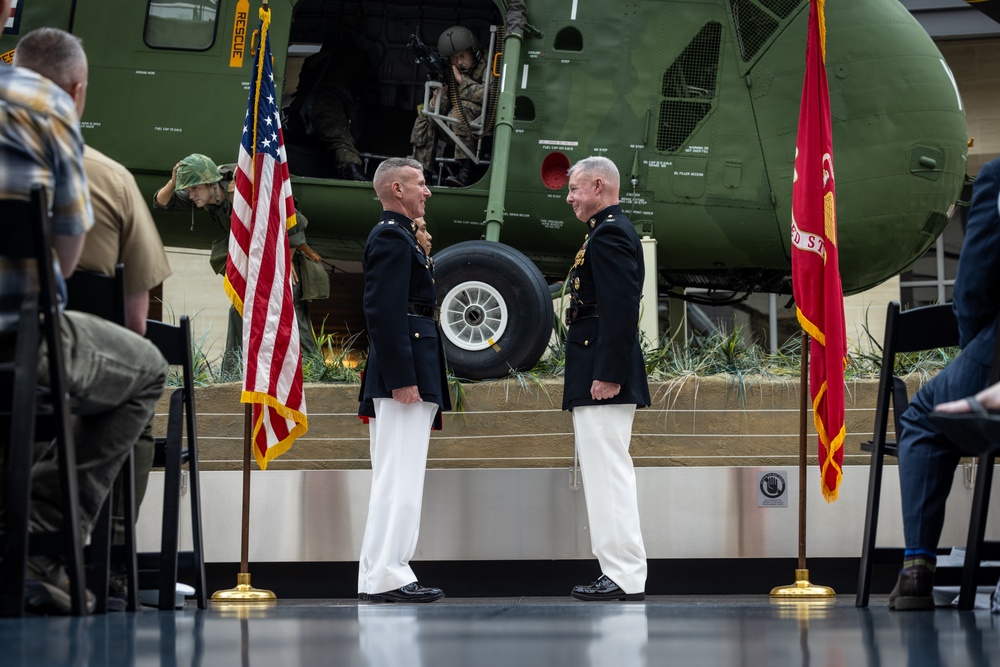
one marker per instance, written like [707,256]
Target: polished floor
[514,632]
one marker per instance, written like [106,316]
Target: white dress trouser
[400,435]
[603,434]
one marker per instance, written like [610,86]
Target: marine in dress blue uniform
[927,459]
[404,382]
[605,378]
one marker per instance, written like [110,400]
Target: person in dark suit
[605,377]
[927,459]
[404,381]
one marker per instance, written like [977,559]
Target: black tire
[496,310]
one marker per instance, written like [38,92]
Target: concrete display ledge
[708,421]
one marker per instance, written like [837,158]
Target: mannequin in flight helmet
[463,101]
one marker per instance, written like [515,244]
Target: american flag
[816,285]
[258,269]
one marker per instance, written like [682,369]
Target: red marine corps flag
[258,269]
[816,285]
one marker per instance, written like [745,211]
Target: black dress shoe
[604,589]
[409,593]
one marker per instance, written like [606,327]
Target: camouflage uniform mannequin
[327,97]
[197,169]
[469,94]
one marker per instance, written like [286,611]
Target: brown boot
[914,590]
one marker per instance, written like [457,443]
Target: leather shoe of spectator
[914,590]
[46,588]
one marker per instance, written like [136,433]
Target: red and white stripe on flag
[816,284]
[258,269]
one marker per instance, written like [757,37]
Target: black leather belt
[574,313]
[423,310]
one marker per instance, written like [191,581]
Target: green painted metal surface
[695,100]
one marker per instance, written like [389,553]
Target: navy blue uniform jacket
[606,347]
[976,298]
[404,349]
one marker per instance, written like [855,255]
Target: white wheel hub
[473,315]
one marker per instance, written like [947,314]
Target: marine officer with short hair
[605,377]
[405,380]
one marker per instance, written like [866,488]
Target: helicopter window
[754,26]
[568,39]
[181,25]
[689,85]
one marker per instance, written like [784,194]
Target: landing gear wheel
[496,310]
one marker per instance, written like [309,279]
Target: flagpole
[244,592]
[802,589]
[803,421]
[263,211]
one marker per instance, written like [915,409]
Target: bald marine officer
[605,377]
[404,378]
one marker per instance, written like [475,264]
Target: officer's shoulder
[614,221]
[389,229]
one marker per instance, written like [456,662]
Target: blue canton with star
[268,119]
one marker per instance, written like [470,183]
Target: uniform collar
[606,213]
[400,220]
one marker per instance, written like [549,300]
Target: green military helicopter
[696,101]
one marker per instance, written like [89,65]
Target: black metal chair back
[104,296]
[160,569]
[98,294]
[27,233]
[914,330]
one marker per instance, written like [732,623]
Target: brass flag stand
[244,592]
[802,589]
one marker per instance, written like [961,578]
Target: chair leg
[73,540]
[198,553]
[170,532]
[128,554]
[100,555]
[977,531]
[15,544]
[871,525]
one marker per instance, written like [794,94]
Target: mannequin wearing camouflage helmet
[196,182]
[464,87]
[196,169]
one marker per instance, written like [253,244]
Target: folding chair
[160,569]
[32,413]
[914,330]
[104,297]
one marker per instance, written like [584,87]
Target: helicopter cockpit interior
[382,52]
